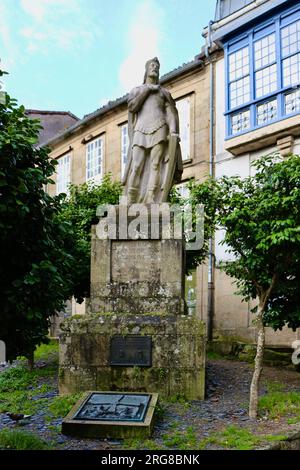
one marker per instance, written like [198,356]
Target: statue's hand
[153,87]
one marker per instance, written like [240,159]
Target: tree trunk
[30,360]
[253,405]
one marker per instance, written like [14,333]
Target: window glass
[291,70]
[94,159]
[266,80]
[183,107]
[292,102]
[290,39]
[239,64]
[124,147]
[264,51]
[63,174]
[266,112]
[240,121]
[240,92]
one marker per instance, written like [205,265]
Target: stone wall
[178,355]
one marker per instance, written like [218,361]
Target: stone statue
[154,155]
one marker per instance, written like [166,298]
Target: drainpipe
[210,286]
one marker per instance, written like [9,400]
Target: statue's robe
[149,125]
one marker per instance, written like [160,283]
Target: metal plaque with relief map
[114,407]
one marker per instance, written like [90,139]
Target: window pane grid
[291,70]
[266,81]
[292,102]
[124,147]
[271,69]
[290,39]
[239,64]
[183,107]
[265,51]
[240,92]
[266,112]
[63,174]
[240,121]
[94,158]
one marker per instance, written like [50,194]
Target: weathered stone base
[178,355]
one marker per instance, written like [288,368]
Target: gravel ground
[226,404]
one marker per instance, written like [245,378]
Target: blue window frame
[263,74]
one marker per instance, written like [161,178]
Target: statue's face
[153,70]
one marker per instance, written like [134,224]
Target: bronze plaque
[102,406]
[131,350]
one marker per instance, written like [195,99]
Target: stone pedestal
[137,291]
[137,276]
[178,355]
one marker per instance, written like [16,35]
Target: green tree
[79,211]
[36,252]
[261,218]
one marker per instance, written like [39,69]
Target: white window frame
[183,106]
[94,150]
[63,178]
[124,146]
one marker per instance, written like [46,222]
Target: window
[183,107]
[124,147]
[183,190]
[94,159]
[239,76]
[263,74]
[292,102]
[63,174]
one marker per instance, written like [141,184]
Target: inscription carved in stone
[137,260]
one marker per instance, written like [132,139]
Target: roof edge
[43,111]
[111,105]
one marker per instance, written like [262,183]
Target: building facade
[238,99]
[257,112]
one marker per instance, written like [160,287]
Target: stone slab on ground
[109,429]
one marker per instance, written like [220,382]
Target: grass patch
[19,389]
[277,403]
[21,440]
[16,378]
[180,439]
[294,420]
[214,355]
[60,406]
[238,439]
[21,402]
[232,438]
[54,429]
[159,411]
[277,438]
[47,352]
[141,444]
[275,387]
[44,352]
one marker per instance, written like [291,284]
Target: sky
[76,55]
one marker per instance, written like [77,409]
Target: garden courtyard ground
[219,422]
